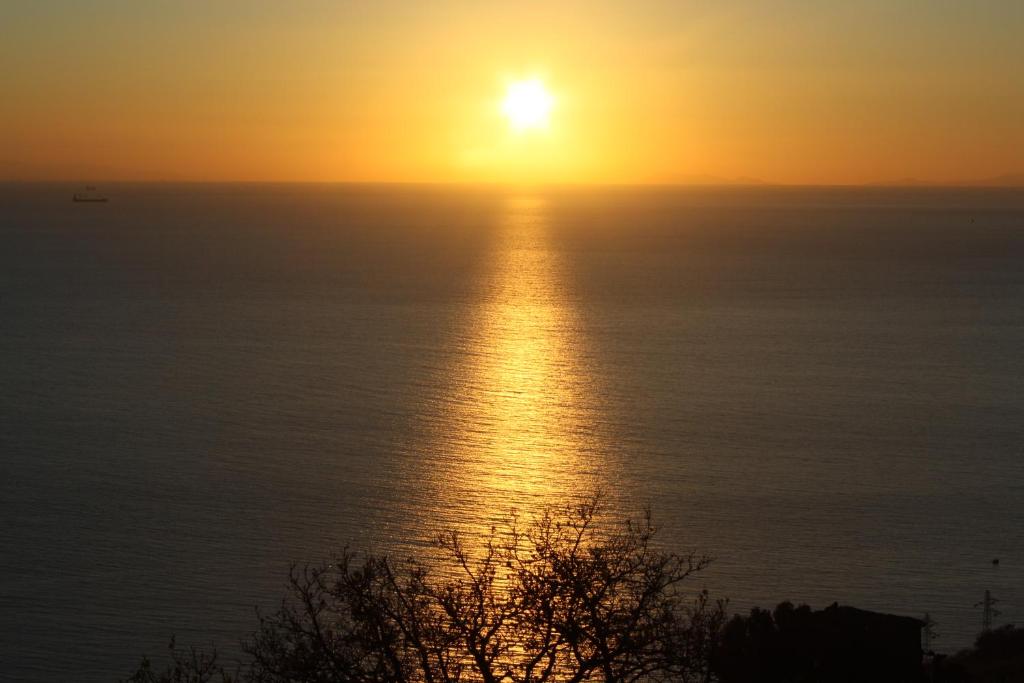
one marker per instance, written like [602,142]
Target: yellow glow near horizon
[527,105]
[646,92]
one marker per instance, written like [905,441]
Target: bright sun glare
[527,105]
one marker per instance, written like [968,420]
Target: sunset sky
[641,91]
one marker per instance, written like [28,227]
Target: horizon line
[1013,181]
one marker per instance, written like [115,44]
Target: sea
[202,384]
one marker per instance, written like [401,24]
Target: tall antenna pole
[988,606]
[928,632]
[988,611]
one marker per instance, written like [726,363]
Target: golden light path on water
[519,426]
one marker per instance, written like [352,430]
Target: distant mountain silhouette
[1004,180]
[705,179]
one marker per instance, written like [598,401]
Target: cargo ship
[89,195]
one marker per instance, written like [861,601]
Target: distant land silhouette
[706,179]
[1004,180]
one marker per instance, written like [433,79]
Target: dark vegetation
[997,657]
[571,597]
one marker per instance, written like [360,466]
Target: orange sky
[664,92]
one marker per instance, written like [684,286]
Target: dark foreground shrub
[997,657]
[570,597]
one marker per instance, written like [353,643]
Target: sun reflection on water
[519,428]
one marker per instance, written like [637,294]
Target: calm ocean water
[823,388]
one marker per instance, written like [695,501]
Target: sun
[527,105]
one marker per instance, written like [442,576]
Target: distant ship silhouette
[89,195]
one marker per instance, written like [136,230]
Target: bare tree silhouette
[568,597]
